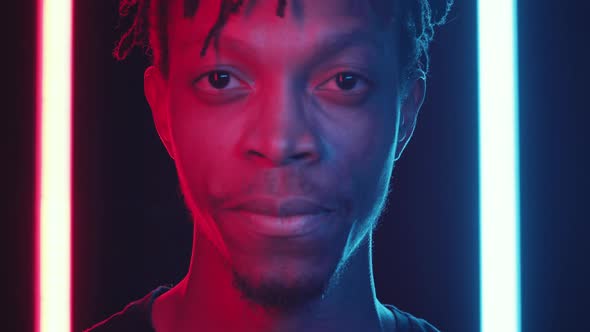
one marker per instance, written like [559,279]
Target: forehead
[257,20]
[299,9]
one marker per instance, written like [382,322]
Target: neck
[206,300]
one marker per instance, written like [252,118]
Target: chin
[281,292]
[283,274]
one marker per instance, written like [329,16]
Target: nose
[281,131]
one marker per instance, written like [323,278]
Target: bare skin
[285,124]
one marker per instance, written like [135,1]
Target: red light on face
[53,169]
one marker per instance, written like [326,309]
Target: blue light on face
[499,166]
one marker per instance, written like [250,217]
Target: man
[284,120]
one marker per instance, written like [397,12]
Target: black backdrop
[132,232]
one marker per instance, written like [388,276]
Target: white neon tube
[53,183]
[499,166]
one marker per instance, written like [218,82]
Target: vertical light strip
[53,183]
[499,166]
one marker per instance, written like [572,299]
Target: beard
[278,296]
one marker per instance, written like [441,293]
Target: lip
[295,226]
[279,208]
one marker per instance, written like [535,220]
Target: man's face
[304,106]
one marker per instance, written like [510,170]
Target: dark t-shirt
[136,317]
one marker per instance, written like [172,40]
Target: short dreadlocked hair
[148,30]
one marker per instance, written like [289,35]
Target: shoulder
[406,322]
[135,316]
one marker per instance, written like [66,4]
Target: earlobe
[409,110]
[156,95]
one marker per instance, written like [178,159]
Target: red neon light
[53,167]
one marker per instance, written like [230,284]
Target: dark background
[132,232]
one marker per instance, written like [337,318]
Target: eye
[348,82]
[217,81]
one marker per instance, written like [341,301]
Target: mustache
[277,183]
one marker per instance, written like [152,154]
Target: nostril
[301,155]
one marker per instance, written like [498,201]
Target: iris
[346,81]
[219,79]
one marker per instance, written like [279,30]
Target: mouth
[288,226]
[279,207]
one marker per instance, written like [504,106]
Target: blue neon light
[499,166]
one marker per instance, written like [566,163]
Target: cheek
[197,144]
[364,135]
[205,139]
[370,160]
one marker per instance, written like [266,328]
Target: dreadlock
[148,29]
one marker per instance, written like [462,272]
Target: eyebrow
[328,45]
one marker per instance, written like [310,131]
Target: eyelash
[360,77]
[206,75]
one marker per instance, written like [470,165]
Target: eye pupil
[219,79]
[346,81]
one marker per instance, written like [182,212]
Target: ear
[409,113]
[155,89]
